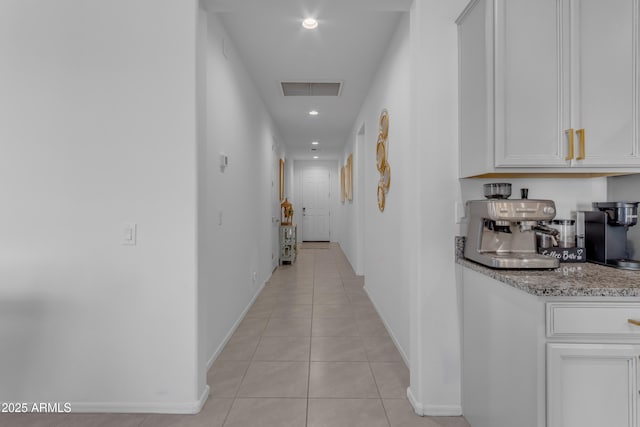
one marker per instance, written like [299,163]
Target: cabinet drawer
[580,319]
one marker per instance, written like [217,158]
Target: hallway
[152,262]
[311,351]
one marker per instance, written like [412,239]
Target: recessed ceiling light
[310,24]
[315,157]
[313,113]
[315,143]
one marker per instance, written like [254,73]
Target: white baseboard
[166,407]
[418,408]
[389,330]
[227,337]
[442,410]
[433,410]
[144,407]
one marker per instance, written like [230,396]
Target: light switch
[129,234]
[220,217]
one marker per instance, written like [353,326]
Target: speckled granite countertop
[569,280]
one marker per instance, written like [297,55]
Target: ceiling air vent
[311,88]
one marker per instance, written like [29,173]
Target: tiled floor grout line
[379,394]
[384,407]
[361,338]
[226,417]
[235,396]
[313,290]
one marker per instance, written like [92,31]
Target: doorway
[275,205]
[360,202]
[316,202]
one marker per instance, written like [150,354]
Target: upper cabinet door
[475,55]
[604,81]
[530,113]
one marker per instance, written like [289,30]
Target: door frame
[334,182]
[275,208]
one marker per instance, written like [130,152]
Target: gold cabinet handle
[581,141]
[634,322]
[569,133]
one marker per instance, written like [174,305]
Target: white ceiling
[347,46]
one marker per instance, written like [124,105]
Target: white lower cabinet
[503,354]
[593,350]
[592,385]
[532,361]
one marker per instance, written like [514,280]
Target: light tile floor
[311,352]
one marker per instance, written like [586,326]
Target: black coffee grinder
[606,233]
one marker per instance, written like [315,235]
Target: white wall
[408,256]
[351,212]
[435,318]
[98,106]
[229,253]
[385,256]
[346,212]
[202,42]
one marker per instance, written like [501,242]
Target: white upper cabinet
[604,81]
[528,87]
[475,53]
[549,85]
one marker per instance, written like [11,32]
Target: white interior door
[315,205]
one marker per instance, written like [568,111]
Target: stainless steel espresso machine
[606,233]
[502,233]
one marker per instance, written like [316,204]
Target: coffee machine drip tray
[625,264]
[514,260]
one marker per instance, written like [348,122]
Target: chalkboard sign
[565,254]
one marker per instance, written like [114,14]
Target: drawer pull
[634,322]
